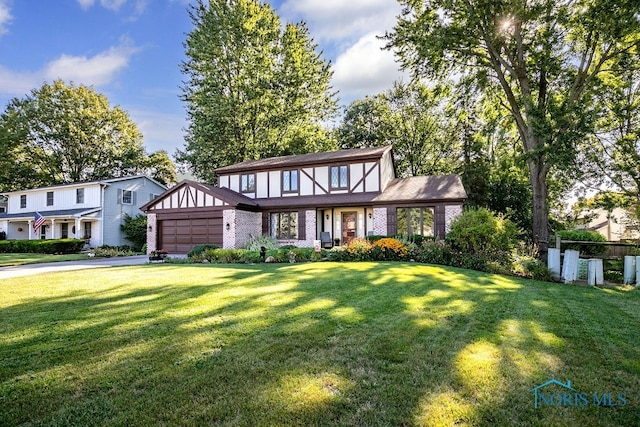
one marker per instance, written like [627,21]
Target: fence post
[629,276]
[570,266]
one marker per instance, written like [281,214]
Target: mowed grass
[22,259]
[369,344]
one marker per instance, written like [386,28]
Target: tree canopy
[255,88]
[546,59]
[65,133]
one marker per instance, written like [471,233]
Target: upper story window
[49,198]
[290,181]
[248,183]
[23,201]
[79,195]
[127,197]
[339,177]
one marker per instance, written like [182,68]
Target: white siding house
[92,211]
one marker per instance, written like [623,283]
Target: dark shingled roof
[307,159]
[431,188]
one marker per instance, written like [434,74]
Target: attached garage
[192,213]
[180,235]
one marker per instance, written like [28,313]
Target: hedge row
[53,246]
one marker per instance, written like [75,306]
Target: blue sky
[130,50]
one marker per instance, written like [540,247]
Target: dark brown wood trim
[314,183]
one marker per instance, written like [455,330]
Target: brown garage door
[178,236]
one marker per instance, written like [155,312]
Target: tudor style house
[92,211]
[298,199]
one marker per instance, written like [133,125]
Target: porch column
[30,229]
[77,225]
[53,228]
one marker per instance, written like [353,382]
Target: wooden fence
[614,250]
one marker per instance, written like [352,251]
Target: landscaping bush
[135,230]
[482,231]
[435,252]
[338,254]
[389,249]
[52,246]
[107,251]
[257,242]
[197,250]
[584,236]
[359,249]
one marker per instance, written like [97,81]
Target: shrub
[3,235]
[584,236]
[359,249]
[52,246]
[257,242]
[197,250]
[389,249]
[339,253]
[112,251]
[480,230]
[135,230]
[435,252]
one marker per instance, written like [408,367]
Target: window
[127,197]
[284,225]
[248,183]
[43,232]
[289,181]
[79,195]
[415,221]
[49,198]
[23,201]
[339,177]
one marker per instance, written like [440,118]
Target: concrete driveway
[31,269]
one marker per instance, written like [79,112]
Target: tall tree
[411,117]
[254,89]
[65,133]
[545,56]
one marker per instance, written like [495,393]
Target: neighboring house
[92,211]
[3,203]
[298,199]
[618,224]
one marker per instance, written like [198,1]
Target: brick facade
[380,221]
[152,232]
[243,226]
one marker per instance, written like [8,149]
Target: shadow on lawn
[313,344]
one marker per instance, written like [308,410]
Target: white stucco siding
[275,189]
[356,173]
[223,181]
[306,184]
[234,183]
[262,188]
[372,180]
[322,180]
[387,172]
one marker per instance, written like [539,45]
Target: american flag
[39,220]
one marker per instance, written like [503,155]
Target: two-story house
[92,211]
[346,193]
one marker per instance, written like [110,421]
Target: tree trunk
[538,175]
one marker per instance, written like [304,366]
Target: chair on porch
[325,240]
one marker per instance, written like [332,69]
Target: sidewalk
[31,269]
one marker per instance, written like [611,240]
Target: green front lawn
[371,344]
[22,259]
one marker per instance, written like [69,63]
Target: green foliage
[106,251]
[413,119]
[135,229]
[244,256]
[583,236]
[359,249]
[435,252]
[51,246]
[482,231]
[65,133]
[254,89]
[257,242]
[389,249]
[197,250]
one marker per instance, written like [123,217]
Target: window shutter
[302,225]
[133,197]
[119,196]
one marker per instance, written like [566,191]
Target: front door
[348,227]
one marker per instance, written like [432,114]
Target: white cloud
[5,17]
[17,83]
[161,131]
[365,69]
[338,19]
[108,4]
[86,4]
[96,70]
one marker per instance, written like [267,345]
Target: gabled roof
[83,183]
[373,153]
[229,196]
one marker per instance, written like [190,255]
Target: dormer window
[248,183]
[290,181]
[339,177]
